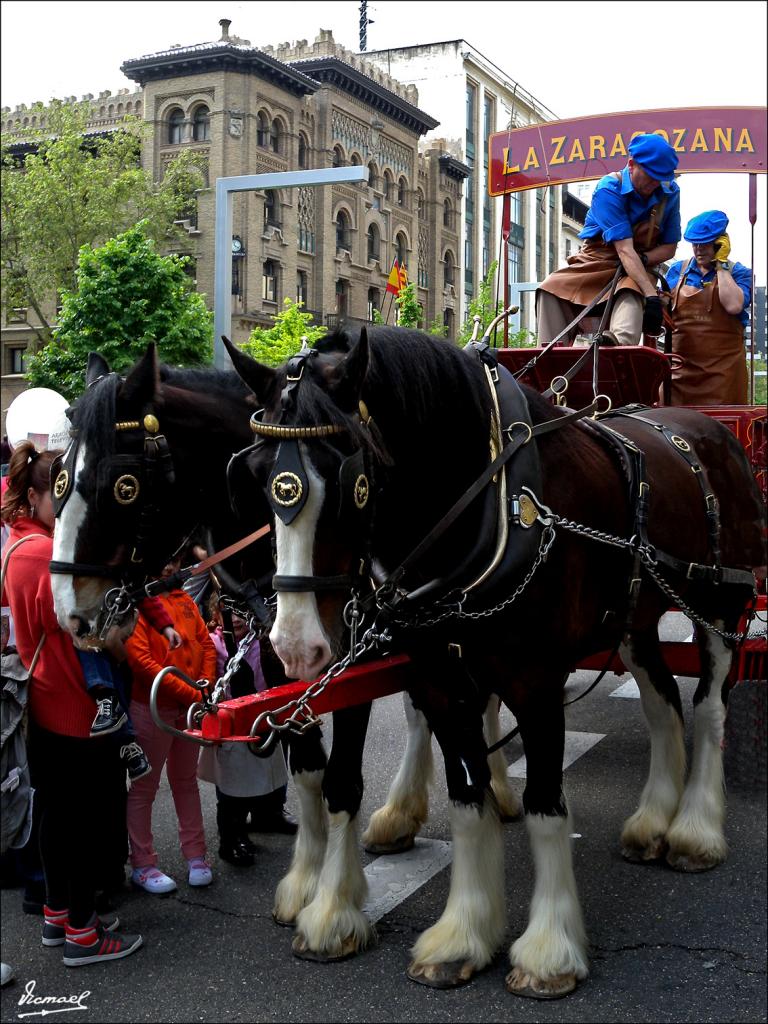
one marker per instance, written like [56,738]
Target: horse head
[312,459]
[136,480]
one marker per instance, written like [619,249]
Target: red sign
[707,139]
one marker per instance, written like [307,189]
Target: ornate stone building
[310,105]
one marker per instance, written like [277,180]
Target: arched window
[402,192]
[338,156]
[372,176]
[354,160]
[373,242]
[448,270]
[271,209]
[269,281]
[342,230]
[262,129]
[303,152]
[421,205]
[388,185]
[374,302]
[448,321]
[201,124]
[275,135]
[175,126]
[447,214]
[402,249]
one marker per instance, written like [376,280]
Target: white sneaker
[152,879]
[199,871]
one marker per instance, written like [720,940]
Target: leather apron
[710,342]
[591,268]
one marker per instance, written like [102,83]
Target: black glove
[653,317]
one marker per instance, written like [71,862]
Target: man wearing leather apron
[633,223]
[710,296]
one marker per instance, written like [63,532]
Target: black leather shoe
[283,823]
[237,854]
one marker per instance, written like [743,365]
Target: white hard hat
[38,415]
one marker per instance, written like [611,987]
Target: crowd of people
[89,715]
[89,718]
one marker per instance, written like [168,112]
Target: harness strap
[304,584]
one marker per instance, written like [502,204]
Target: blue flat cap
[706,227]
[655,156]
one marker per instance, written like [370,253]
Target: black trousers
[232,812]
[80,784]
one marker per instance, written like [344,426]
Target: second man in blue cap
[633,223]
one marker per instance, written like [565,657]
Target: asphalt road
[664,946]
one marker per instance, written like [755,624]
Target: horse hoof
[447,975]
[349,948]
[399,845]
[691,863]
[655,850]
[521,983]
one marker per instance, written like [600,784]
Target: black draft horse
[363,447]
[117,520]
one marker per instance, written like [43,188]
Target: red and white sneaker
[93,944]
[56,921]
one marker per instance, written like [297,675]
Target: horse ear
[260,379]
[347,380]
[97,367]
[143,382]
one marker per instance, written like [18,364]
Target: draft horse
[383,457]
[124,503]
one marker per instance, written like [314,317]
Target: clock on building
[237,246]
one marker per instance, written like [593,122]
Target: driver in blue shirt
[633,223]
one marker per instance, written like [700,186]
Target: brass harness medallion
[528,511]
[61,484]
[361,491]
[126,489]
[287,489]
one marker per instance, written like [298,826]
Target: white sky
[575,58]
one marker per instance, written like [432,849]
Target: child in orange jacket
[147,653]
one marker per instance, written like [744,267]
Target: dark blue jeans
[100,672]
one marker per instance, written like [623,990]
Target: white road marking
[576,744]
[392,878]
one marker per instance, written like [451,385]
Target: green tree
[274,345]
[73,190]
[126,295]
[484,306]
[409,308]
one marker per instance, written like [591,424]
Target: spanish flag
[393,281]
[403,277]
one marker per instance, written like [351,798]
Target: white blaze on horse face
[298,636]
[73,602]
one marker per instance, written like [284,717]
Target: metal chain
[650,563]
[547,539]
[301,717]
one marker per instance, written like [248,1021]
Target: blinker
[288,485]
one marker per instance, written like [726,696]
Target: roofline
[514,87]
[338,72]
[188,60]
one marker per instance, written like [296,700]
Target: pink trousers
[181,758]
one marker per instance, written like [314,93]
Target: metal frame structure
[225,189]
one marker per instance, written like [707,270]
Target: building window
[338,156]
[271,209]
[567,248]
[402,249]
[421,205]
[372,176]
[269,281]
[355,160]
[402,192]
[447,214]
[470,125]
[448,320]
[374,302]
[16,360]
[175,126]
[275,135]
[303,152]
[201,124]
[301,287]
[342,230]
[449,270]
[388,186]
[342,298]
[373,243]
[262,129]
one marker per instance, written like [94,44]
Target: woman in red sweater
[75,776]
[148,652]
